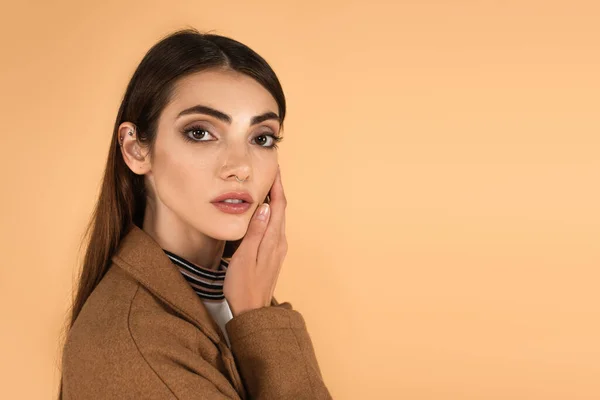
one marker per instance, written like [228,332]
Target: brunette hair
[122,201]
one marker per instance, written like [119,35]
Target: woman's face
[197,154]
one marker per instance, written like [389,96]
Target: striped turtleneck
[207,283]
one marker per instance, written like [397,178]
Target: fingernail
[263,212]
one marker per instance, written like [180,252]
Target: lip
[232,208]
[234,195]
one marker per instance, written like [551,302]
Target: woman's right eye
[196,134]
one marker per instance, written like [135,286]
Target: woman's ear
[131,149]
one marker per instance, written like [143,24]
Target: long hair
[122,200]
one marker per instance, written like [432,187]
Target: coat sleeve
[275,355]
[271,347]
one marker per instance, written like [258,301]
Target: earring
[121,138]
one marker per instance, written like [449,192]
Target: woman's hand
[254,268]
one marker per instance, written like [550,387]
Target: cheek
[181,181]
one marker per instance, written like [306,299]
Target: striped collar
[207,283]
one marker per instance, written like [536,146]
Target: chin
[230,231]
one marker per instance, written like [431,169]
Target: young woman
[175,298]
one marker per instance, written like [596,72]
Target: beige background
[441,165]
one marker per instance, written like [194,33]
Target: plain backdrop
[441,164]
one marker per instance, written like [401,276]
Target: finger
[278,205]
[256,230]
[279,185]
[275,232]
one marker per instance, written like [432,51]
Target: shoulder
[105,312]
[100,357]
[127,343]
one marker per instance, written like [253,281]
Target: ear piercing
[121,138]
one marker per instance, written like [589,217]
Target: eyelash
[276,139]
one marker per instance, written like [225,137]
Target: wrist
[237,310]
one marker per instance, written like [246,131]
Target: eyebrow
[200,109]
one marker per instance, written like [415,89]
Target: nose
[237,163]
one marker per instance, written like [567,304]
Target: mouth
[233,202]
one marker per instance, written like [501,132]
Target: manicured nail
[263,212]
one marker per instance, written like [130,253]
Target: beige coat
[145,334]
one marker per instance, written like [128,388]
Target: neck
[181,239]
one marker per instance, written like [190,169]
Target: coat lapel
[143,258]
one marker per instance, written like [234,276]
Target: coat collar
[144,259]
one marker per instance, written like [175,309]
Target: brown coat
[145,334]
